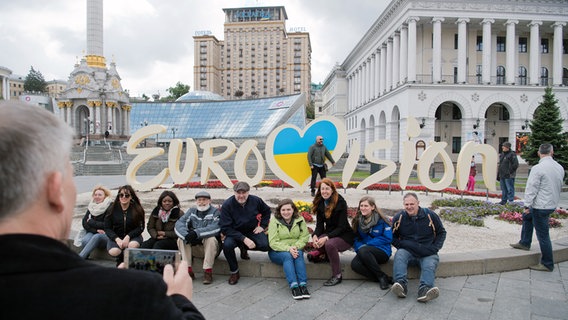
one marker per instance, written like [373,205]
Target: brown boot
[234,278]
[191,274]
[207,277]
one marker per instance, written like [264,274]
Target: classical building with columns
[94,101]
[466,70]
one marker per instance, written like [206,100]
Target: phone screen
[153,260]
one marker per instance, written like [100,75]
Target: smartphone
[153,260]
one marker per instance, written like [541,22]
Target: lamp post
[174,130]
[144,124]
[87,129]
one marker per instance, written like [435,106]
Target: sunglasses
[124,195]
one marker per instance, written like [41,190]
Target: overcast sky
[151,41]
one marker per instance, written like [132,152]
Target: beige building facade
[257,58]
[466,70]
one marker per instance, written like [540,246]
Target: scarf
[366,224]
[96,209]
[287,225]
[165,215]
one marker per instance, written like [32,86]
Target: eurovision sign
[286,154]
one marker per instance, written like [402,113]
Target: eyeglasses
[124,195]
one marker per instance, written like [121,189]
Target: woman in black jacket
[94,221]
[124,223]
[333,233]
[162,222]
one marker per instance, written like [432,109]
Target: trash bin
[375,167]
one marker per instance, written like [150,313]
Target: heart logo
[287,148]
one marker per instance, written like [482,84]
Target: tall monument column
[95,52]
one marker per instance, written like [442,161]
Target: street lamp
[87,129]
[174,130]
[144,124]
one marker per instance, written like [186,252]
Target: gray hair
[545,148]
[410,194]
[33,143]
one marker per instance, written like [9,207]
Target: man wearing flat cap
[506,173]
[198,231]
[244,218]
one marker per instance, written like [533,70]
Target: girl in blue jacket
[372,242]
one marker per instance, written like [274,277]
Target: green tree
[310,110]
[175,92]
[546,127]
[35,82]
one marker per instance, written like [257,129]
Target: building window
[478,71]
[479,43]
[543,76]
[565,46]
[543,45]
[500,75]
[565,76]
[456,113]
[456,144]
[456,41]
[522,75]
[523,44]
[501,44]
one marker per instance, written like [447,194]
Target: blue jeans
[538,219]
[428,266]
[507,190]
[230,243]
[92,241]
[294,269]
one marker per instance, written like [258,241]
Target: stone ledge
[451,264]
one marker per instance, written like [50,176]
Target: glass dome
[193,96]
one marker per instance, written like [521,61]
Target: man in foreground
[244,219]
[418,235]
[542,194]
[40,276]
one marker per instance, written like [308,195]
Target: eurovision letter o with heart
[287,148]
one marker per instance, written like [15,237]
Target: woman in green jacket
[287,236]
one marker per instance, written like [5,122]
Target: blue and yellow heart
[287,148]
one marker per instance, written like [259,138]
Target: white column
[486,55]
[383,68]
[356,88]
[350,93]
[364,83]
[360,86]
[534,56]
[462,49]
[378,71]
[373,76]
[5,91]
[403,69]
[511,69]
[368,80]
[412,48]
[389,64]
[557,54]
[395,59]
[437,49]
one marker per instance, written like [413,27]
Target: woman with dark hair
[333,233]
[162,222]
[372,242]
[287,236]
[124,223]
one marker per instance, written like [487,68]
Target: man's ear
[54,186]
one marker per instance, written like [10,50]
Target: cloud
[151,41]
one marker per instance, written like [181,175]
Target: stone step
[451,264]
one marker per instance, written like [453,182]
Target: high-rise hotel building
[258,58]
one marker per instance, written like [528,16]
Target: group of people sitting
[244,221]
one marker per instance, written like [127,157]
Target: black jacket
[120,224]
[337,225]
[92,224]
[508,165]
[43,279]
[422,235]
